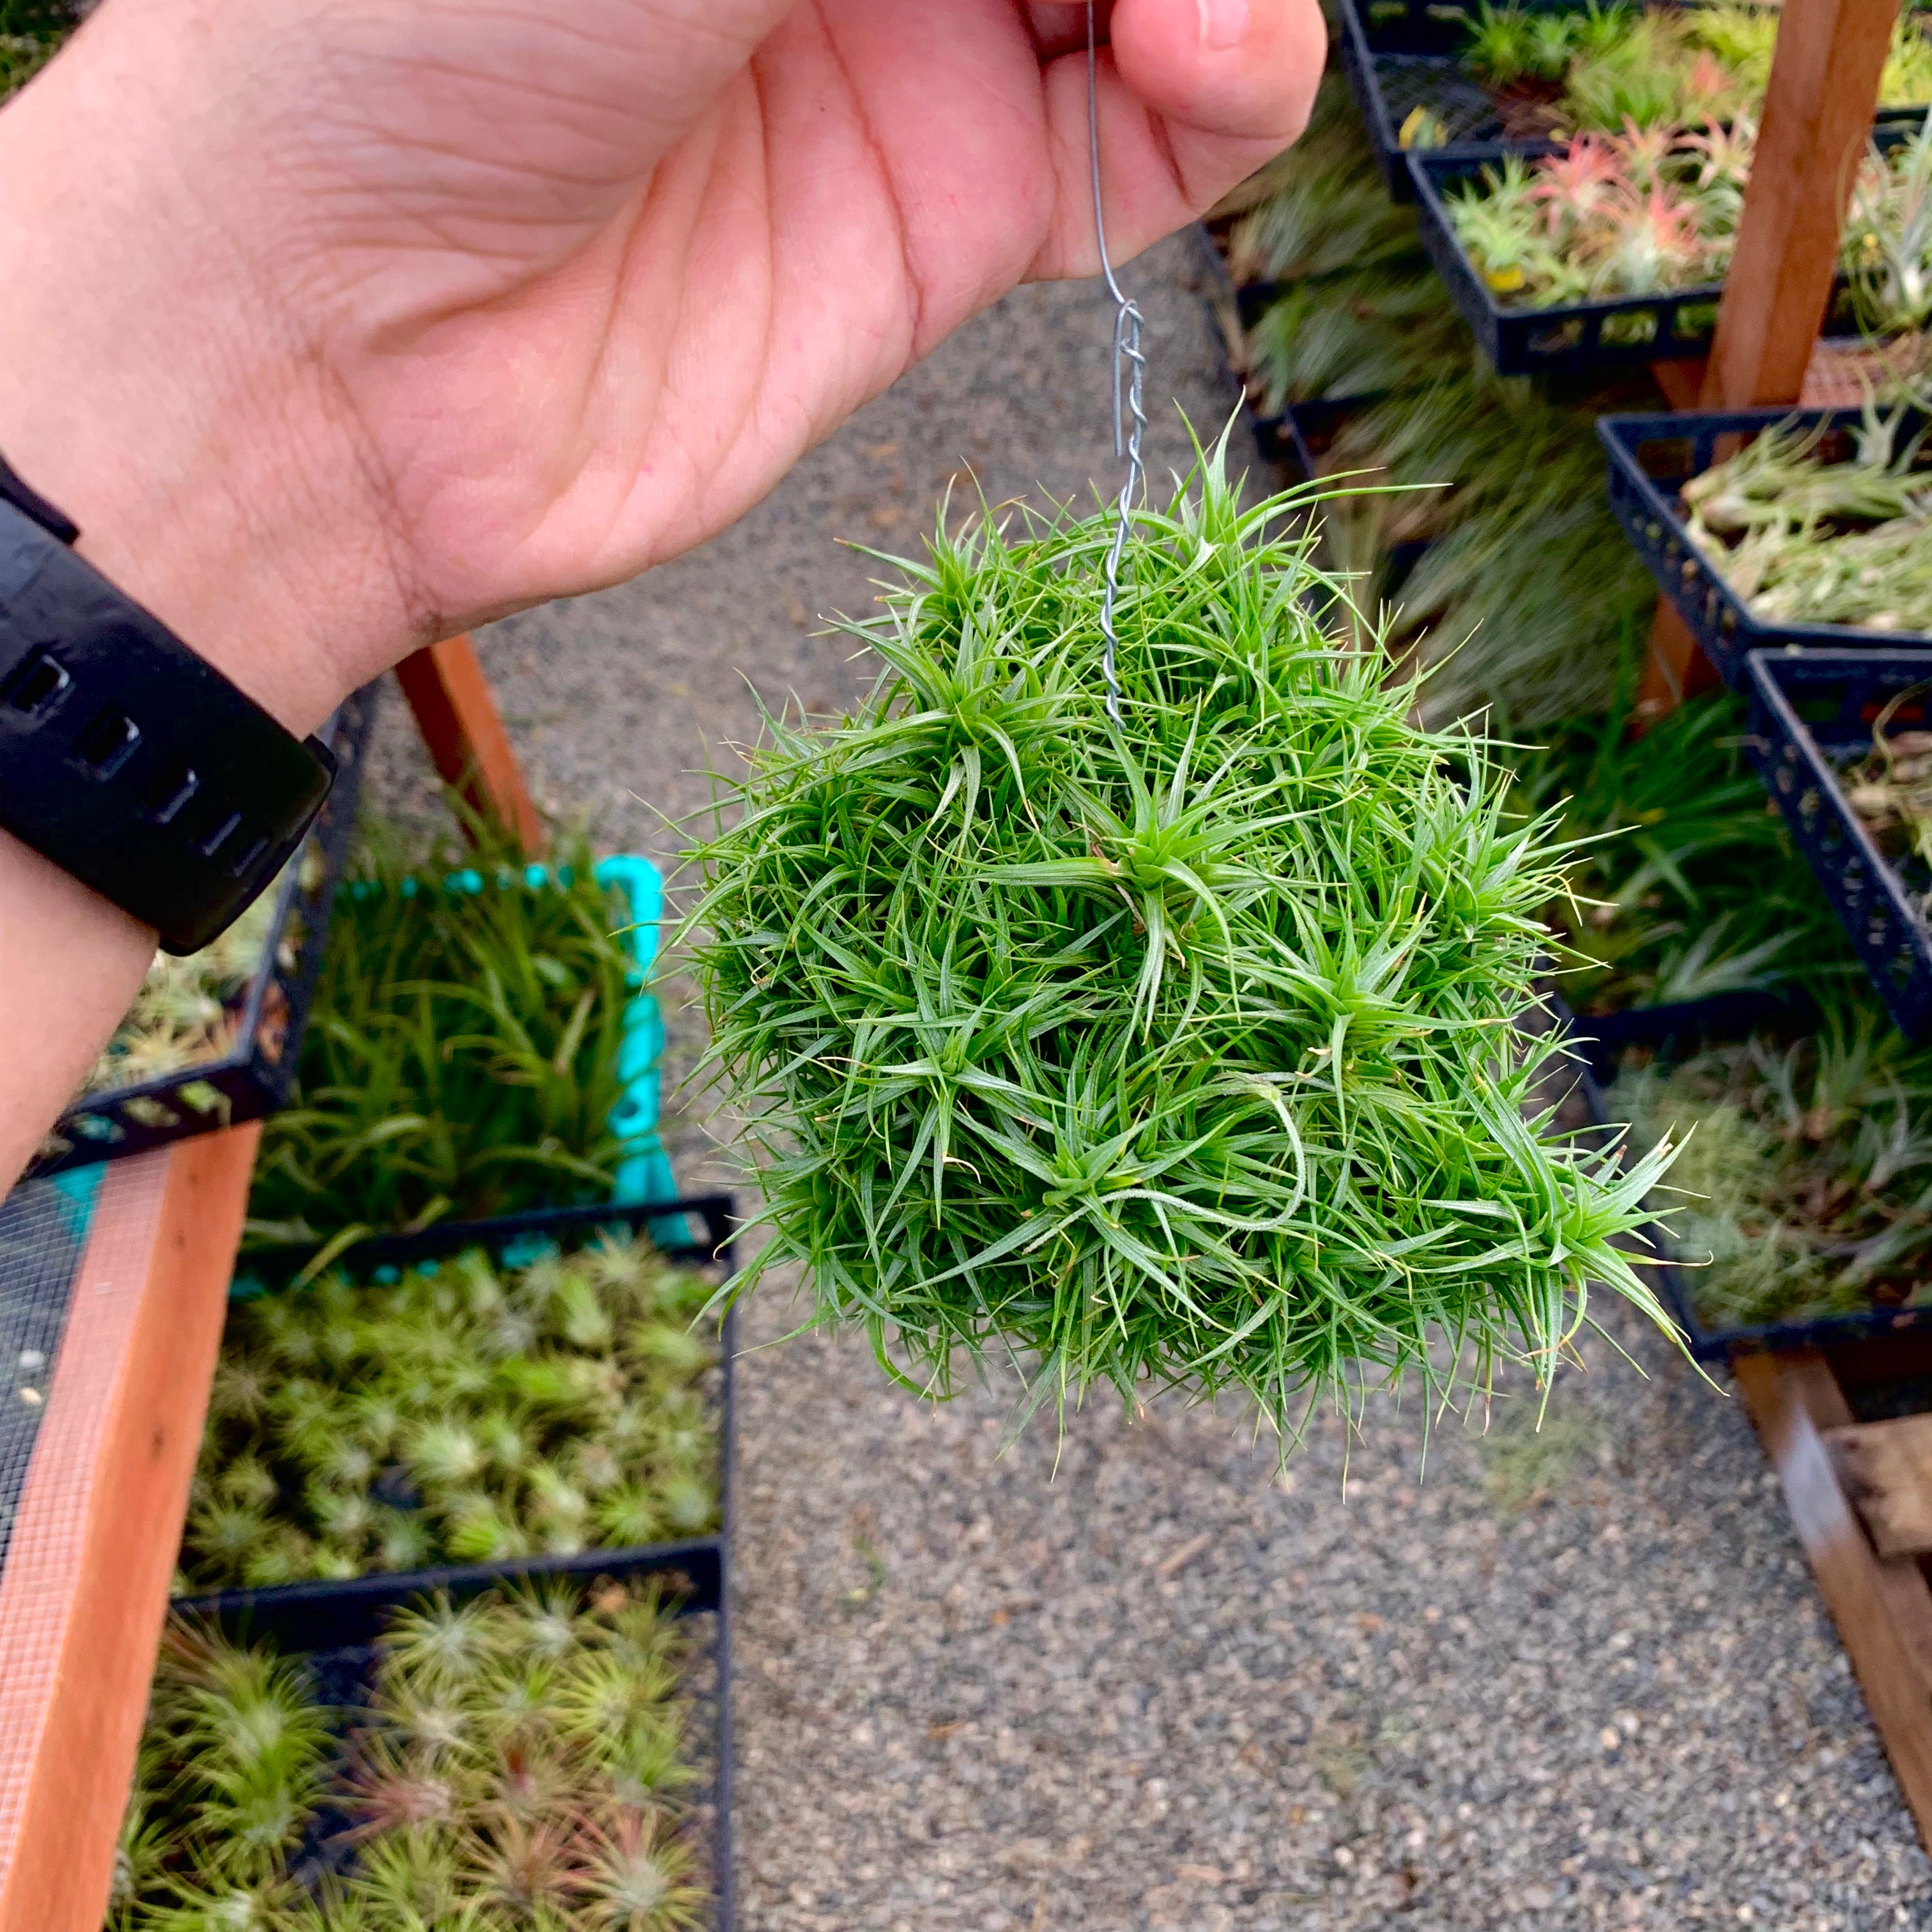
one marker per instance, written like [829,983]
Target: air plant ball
[1191,1051]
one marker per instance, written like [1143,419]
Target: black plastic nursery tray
[1601,1040]
[1811,713]
[1613,333]
[695,1231]
[335,1626]
[254,1077]
[1400,54]
[1652,458]
[1666,1031]
[328,1615]
[1670,326]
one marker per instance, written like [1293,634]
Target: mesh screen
[43,1227]
[1410,81]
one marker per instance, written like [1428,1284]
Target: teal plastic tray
[643,1174]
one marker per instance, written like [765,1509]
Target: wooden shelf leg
[84,1589]
[1817,119]
[464,732]
[1882,1606]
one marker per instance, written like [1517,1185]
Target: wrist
[146,392]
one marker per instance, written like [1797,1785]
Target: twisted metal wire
[1130,382]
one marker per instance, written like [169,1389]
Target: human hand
[339,325]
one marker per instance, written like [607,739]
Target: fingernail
[1224,23]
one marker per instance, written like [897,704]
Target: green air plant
[462,1054]
[1526,599]
[1690,887]
[1803,539]
[186,1012]
[522,1760]
[465,1412]
[1891,789]
[1362,309]
[1805,1188]
[1190,1051]
[1641,212]
[1320,208]
[1887,247]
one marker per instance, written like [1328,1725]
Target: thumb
[1194,96]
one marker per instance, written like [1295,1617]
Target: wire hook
[1130,382]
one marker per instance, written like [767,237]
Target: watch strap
[124,758]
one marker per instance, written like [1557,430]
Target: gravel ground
[1124,1680]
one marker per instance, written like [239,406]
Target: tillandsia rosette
[466,1412]
[1890,788]
[1809,527]
[1197,1051]
[522,1759]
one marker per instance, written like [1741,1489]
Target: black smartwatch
[124,758]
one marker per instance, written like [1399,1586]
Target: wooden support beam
[1885,1469]
[1674,668]
[1817,119]
[463,731]
[85,1587]
[1882,1606]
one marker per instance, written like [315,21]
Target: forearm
[166,425]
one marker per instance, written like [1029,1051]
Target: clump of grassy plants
[462,1053]
[1806,1188]
[1188,1051]
[1805,540]
[1363,310]
[1527,599]
[1689,886]
[465,1413]
[520,1761]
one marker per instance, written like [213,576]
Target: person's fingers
[1195,95]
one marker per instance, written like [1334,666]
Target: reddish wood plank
[1885,1469]
[461,726]
[84,1589]
[1817,119]
[1882,1608]
[1674,668]
[1681,383]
